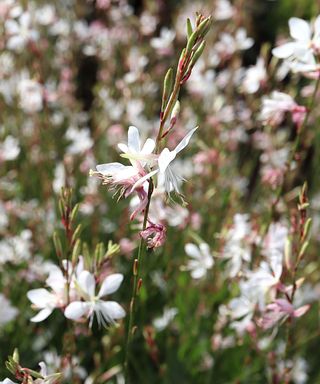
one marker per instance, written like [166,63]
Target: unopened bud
[175,111]
[288,254]
[189,28]
[76,252]
[167,87]
[306,228]
[135,267]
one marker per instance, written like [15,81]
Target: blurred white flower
[81,140]
[237,247]
[9,148]
[223,10]
[30,95]
[160,323]
[20,32]
[274,108]
[201,259]
[7,311]
[164,41]
[254,77]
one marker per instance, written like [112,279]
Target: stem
[137,267]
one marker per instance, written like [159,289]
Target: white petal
[42,315]
[299,29]
[123,148]
[110,284]
[165,158]
[143,179]
[148,147]
[87,283]
[112,310]
[41,297]
[76,310]
[133,139]
[192,250]
[109,168]
[185,141]
[198,273]
[284,51]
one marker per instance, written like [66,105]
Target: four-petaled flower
[106,311]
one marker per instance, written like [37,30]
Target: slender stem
[137,267]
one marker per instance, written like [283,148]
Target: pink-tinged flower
[277,105]
[127,179]
[106,311]
[154,234]
[279,310]
[301,52]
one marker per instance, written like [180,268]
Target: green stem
[137,267]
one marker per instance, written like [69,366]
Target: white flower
[172,180]
[133,150]
[274,107]
[106,311]
[20,32]
[46,300]
[223,10]
[236,248]
[30,95]
[160,323]
[301,52]
[164,41]
[80,140]
[201,259]
[9,148]
[7,311]
[255,76]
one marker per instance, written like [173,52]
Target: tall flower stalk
[169,108]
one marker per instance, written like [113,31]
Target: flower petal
[165,158]
[41,297]
[76,310]
[301,311]
[87,283]
[192,250]
[148,147]
[299,29]
[133,139]
[109,168]
[110,284]
[42,315]
[112,310]
[185,141]
[284,51]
